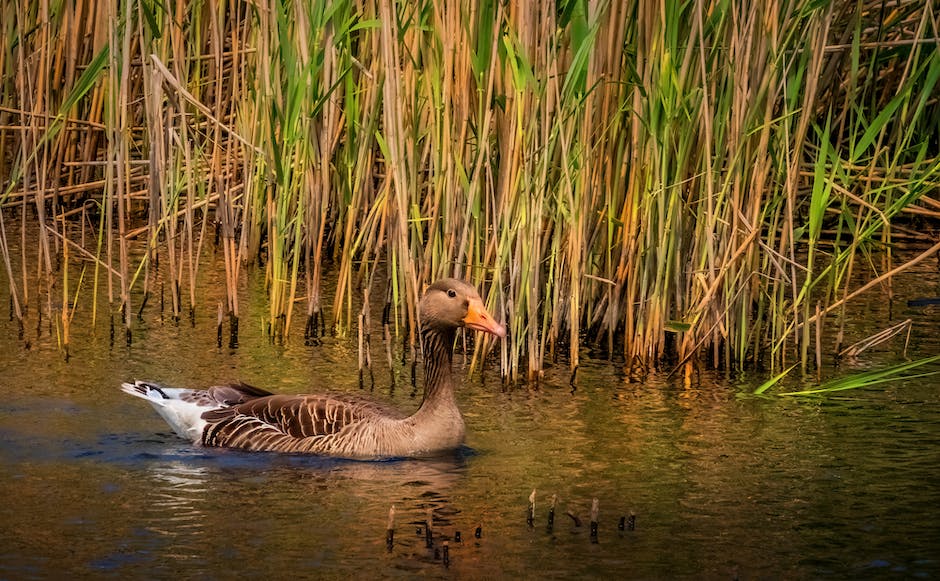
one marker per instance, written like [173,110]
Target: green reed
[672,182]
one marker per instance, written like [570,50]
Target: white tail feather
[185,417]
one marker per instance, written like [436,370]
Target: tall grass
[670,182]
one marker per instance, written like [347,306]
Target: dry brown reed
[670,182]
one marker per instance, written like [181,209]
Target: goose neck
[438,356]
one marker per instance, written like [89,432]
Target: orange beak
[478,319]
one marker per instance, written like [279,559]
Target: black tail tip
[146,387]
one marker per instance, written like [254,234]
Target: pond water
[721,484]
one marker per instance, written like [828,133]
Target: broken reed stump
[574,517]
[530,518]
[315,328]
[232,330]
[218,329]
[627,523]
[594,507]
[551,513]
[143,305]
[428,540]
[390,529]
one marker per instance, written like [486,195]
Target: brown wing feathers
[284,423]
[229,429]
[225,394]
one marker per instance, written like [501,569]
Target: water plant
[866,379]
[670,182]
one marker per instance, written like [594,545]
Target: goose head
[449,304]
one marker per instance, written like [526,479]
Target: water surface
[722,485]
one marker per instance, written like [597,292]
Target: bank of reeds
[671,181]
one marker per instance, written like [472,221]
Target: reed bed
[673,183]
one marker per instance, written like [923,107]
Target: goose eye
[451,293]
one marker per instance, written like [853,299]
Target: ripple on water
[96,485]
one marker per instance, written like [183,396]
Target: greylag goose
[249,418]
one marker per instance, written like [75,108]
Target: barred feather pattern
[334,425]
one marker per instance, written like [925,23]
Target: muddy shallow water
[722,484]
